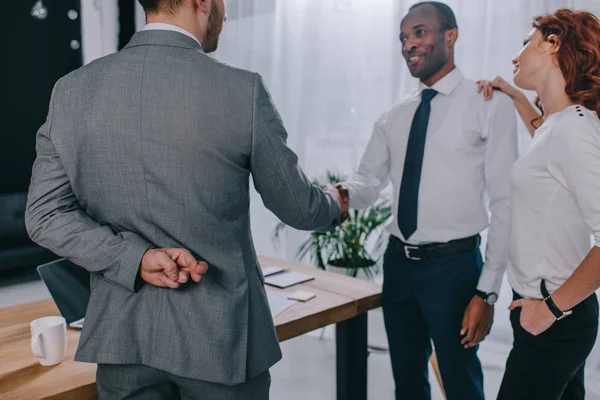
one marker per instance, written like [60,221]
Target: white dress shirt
[471,145]
[555,201]
[159,26]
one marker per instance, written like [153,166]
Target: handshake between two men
[342,196]
[173,267]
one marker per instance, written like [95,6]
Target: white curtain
[333,67]
[100,28]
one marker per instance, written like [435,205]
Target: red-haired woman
[555,192]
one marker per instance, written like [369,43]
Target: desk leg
[351,346]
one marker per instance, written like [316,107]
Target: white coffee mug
[49,339]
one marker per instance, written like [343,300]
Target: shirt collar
[446,85]
[168,27]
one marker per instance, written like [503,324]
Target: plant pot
[349,267]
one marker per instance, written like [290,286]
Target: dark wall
[126,21]
[35,54]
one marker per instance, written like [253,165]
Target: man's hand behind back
[171,268]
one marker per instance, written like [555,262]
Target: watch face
[492,298]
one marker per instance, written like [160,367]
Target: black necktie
[413,163]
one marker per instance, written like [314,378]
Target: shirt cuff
[490,280]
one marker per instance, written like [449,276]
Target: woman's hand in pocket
[536,317]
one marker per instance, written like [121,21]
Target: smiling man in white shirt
[443,149]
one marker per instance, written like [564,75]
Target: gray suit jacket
[154,146]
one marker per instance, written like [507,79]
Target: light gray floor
[307,370]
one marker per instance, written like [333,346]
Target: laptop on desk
[69,286]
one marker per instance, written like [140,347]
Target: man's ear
[202,5]
[451,36]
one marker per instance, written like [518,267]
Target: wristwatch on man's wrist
[489,298]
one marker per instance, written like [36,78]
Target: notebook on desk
[287,278]
[271,270]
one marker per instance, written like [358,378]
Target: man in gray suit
[142,177]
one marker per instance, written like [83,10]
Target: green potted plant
[347,246]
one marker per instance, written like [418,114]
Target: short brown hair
[156,6]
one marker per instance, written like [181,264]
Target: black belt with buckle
[435,250]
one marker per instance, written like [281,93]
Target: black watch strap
[557,312]
[489,298]
[481,294]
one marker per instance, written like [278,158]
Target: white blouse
[555,194]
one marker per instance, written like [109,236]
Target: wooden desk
[340,300]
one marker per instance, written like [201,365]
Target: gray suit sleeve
[55,220]
[283,186]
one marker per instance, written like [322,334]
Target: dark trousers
[424,300]
[140,382]
[550,366]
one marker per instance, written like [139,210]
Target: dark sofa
[16,249]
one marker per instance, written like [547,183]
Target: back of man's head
[160,6]
[203,19]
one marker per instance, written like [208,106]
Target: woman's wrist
[560,301]
[518,97]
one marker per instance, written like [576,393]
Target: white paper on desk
[278,302]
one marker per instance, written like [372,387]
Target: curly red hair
[578,54]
